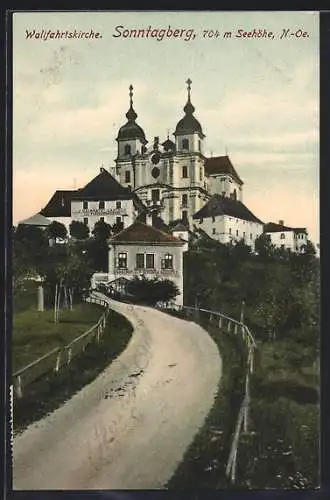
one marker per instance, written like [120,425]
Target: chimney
[281,222]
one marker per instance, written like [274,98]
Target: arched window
[128,149]
[185,144]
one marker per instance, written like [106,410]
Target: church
[168,182]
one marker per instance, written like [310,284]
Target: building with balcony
[143,250]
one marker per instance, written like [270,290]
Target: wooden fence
[233,327]
[60,356]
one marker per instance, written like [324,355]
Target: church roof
[273,227]
[36,220]
[221,165]
[131,130]
[103,187]
[220,205]
[188,124]
[138,232]
[59,205]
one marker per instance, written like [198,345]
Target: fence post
[246,402]
[228,326]
[58,361]
[18,388]
[236,328]
[220,321]
[69,355]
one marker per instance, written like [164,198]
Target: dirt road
[130,427]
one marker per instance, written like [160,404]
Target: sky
[257,100]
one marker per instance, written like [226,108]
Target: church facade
[173,181]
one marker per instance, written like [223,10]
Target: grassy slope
[35,333]
[282,449]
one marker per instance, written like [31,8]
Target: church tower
[131,145]
[189,173]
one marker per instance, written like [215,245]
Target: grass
[51,391]
[281,448]
[35,333]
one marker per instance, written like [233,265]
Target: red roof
[221,165]
[138,232]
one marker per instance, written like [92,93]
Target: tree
[117,227]
[57,230]
[101,230]
[264,247]
[78,230]
[151,291]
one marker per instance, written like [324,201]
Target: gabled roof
[273,227]
[103,187]
[220,205]
[36,220]
[59,205]
[221,165]
[138,232]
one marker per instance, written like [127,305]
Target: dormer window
[185,144]
[128,149]
[282,236]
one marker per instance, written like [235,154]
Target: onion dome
[188,124]
[131,130]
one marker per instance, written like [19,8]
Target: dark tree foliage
[78,230]
[151,291]
[57,230]
[280,290]
[101,230]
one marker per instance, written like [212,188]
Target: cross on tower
[131,93]
[189,82]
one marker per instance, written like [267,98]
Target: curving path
[130,427]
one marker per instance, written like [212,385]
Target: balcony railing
[139,271]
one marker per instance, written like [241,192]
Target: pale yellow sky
[256,98]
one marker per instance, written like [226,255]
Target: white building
[173,179]
[170,176]
[103,198]
[142,250]
[228,221]
[288,238]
